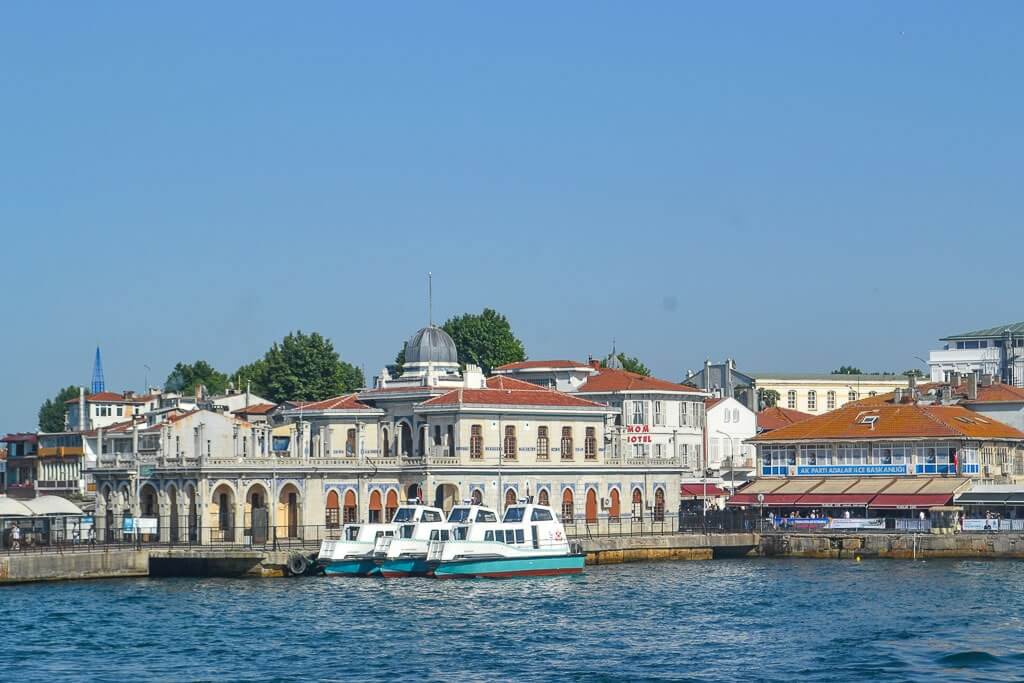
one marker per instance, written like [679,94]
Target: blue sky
[797,186]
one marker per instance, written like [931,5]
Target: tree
[400,357]
[303,368]
[51,413]
[630,364]
[185,377]
[848,370]
[768,398]
[252,375]
[485,340]
[914,372]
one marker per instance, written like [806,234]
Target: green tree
[848,370]
[485,340]
[254,373]
[185,377]
[914,372]
[51,413]
[400,357]
[630,364]
[303,368]
[768,398]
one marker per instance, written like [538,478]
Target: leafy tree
[185,377]
[768,398]
[400,357]
[914,372]
[848,370]
[254,372]
[485,340]
[630,364]
[302,367]
[51,413]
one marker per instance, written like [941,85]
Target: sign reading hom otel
[638,433]
[859,470]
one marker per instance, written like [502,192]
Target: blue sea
[725,620]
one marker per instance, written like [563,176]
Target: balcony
[61,452]
[57,485]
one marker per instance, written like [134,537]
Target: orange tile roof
[994,393]
[511,392]
[905,420]
[776,417]
[107,397]
[998,393]
[258,409]
[346,402]
[530,364]
[609,380]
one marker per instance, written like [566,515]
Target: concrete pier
[895,545]
[100,564]
[617,549]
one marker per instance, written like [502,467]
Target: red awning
[770,499]
[697,491]
[922,500]
[834,500]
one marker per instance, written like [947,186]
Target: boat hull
[353,567]
[509,567]
[404,566]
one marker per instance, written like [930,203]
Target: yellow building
[820,393]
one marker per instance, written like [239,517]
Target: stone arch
[257,512]
[591,506]
[289,511]
[385,442]
[446,496]
[404,439]
[659,504]
[543,497]
[350,510]
[222,511]
[638,503]
[568,506]
[173,516]
[149,500]
[510,497]
[614,508]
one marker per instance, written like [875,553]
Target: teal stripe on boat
[356,567]
[507,567]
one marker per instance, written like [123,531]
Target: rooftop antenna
[98,385]
[430,299]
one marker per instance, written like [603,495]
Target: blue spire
[98,384]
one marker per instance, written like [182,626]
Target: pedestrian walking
[15,537]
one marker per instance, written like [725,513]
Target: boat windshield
[351,533]
[514,514]
[404,515]
[458,515]
[460,533]
[407,530]
[486,516]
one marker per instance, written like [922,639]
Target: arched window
[509,449]
[568,512]
[375,508]
[476,442]
[812,400]
[542,443]
[638,503]
[451,441]
[591,507]
[350,513]
[852,396]
[385,442]
[405,436]
[830,400]
[350,443]
[391,507]
[659,505]
[510,497]
[542,498]
[423,441]
[791,399]
[613,509]
[590,444]
[333,520]
[566,443]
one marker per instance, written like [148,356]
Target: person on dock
[15,537]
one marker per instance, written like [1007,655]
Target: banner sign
[856,523]
[856,470]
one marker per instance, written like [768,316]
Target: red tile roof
[609,380]
[511,392]
[26,437]
[994,393]
[905,420]
[258,409]
[776,417]
[346,402]
[531,364]
[108,397]
[997,393]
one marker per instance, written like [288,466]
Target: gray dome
[431,345]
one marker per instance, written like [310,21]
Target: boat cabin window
[431,516]
[458,515]
[407,530]
[519,535]
[439,535]
[488,535]
[351,533]
[514,514]
[486,516]
[460,533]
[539,515]
[384,533]
[404,515]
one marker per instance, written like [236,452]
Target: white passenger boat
[529,541]
[405,553]
[352,554]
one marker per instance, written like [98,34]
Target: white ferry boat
[352,554]
[529,541]
[405,553]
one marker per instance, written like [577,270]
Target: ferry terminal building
[434,432]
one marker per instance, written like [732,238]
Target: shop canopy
[912,501]
[873,492]
[837,500]
[687,491]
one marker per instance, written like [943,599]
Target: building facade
[996,351]
[816,394]
[729,425]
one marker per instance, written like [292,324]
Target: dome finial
[430,299]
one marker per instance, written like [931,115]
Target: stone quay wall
[897,546]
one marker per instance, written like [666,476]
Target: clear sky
[794,185]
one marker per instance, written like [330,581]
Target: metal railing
[653,524]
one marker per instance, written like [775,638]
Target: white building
[729,424]
[996,351]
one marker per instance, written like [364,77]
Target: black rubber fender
[298,564]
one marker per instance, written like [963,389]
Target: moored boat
[405,554]
[529,541]
[353,553]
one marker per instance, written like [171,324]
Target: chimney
[986,380]
[954,379]
[946,394]
[81,409]
[972,387]
[897,395]
[707,373]
[912,383]
[596,364]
